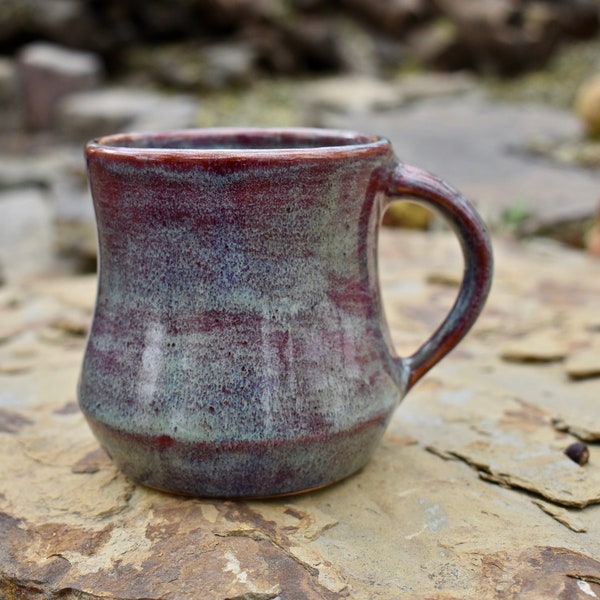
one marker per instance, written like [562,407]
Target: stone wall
[223,41]
[60,84]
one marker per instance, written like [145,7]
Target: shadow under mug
[238,346]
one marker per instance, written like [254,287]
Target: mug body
[238,346]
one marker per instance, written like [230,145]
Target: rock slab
[49,73]
[473,458]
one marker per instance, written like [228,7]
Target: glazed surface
[238,307]
[238,346]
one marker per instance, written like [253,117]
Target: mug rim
[336,143]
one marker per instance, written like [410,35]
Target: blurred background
[501,97]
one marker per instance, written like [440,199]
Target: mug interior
[237,139]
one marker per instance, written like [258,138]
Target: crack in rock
[267,530]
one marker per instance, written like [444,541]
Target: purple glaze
[238,346]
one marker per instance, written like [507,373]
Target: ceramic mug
[238,346]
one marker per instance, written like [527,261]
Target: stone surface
[196,66]
[360,95]
[49,73]
[354,94]
[56,170]
[25,233]
[587,105]
[536,347]
[64,21]
[499,35]
[584,364]
[11,118]
[65,230]
[563,516]
[504,36]
[87,115]
[468,496]
[481,147]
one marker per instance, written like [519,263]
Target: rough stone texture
[11,118]
[48,214]
[500,36]
[351,96]
[469,495]
[86,115]
[73,222]
[193,65]
[49,73]
[25,233]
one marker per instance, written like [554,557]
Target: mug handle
[411,183]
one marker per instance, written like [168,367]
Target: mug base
[298,492]
[247,469]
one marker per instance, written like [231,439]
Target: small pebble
[578,452]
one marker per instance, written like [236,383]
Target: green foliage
[517,213]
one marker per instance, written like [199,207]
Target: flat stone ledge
[468,496]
